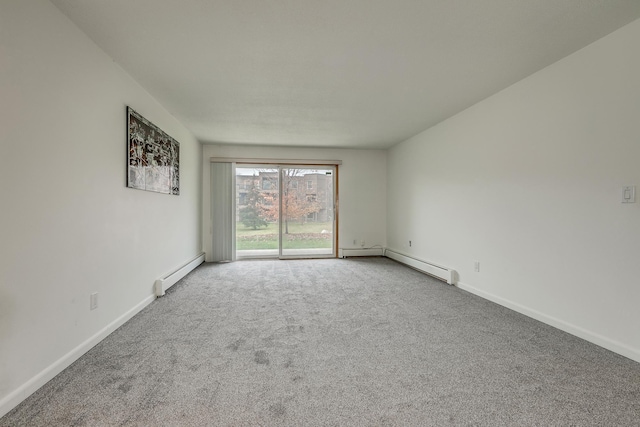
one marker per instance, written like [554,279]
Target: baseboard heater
[347,252]
[439,272]
[170,279]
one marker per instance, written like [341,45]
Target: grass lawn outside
[301,236]
[273,244]
[294,228]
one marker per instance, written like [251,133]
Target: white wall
[69,226]
[528,182]
[362,187]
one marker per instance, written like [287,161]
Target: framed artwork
[153,157]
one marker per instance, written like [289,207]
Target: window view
[306,222]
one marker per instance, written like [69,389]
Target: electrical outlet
[409,243]
[94,301]
[362,243]
[476,266]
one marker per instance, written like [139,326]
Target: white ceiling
[339,73]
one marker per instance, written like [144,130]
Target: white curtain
[223,211]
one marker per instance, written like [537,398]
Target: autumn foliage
[263,206]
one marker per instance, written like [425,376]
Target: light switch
[629,194]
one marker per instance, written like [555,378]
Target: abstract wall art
[153,157]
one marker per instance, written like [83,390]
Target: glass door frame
[279,166]
[255,165]
[334,222]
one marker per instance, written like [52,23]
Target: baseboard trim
[347,252]
[21,393]
[14,398]
[609,344]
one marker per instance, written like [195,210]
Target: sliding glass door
[257,211]
[285,211]
[307,220]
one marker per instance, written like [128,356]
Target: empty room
[320,213]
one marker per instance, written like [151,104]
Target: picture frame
[153,157]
